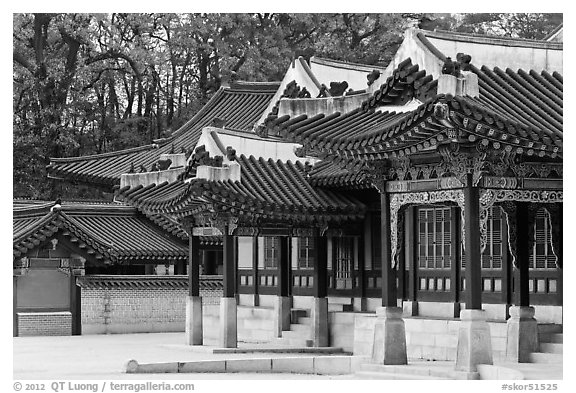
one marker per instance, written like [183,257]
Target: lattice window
[434,238]
[541,253]
[271,252]
[306,252]
[492,255]
[344,258]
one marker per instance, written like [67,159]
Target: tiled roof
[110,233]
[271,189]
[407,81]
[327,174]
[172,226]
[240,105]
[515,110]
[209,283]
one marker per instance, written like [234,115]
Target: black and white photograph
[369,197]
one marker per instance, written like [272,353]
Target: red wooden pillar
[388,273]
[193,265]
[474,342]
[194,326]
[523,249]
[473,273]
[228,310]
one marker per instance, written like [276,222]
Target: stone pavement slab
[105,356]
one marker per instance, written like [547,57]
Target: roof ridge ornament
[457,79]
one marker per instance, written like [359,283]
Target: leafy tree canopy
[92,83]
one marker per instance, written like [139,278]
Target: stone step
[255,312]
[304,329]
[397,376]
[549,328]
[305,321]
[422,371]
[291,334]
[539,357]
[338,307]
[340,300]
[551,348]
[297,313]
[557,338]
[291,342]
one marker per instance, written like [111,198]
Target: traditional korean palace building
[407,212]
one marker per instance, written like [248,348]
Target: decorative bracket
[546,199]
[398,201]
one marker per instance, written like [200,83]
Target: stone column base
[228,323]
[193,330]
[521,334]
[474,342]
[319,316]
[410,308]
[359,304]
[389,337]
[282,307]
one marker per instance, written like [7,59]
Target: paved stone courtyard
[104,356]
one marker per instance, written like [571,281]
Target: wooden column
[361,268]
[522,327]
[410,256]
[255,268]
[284,267]
[228,264]
[319,309]
[506,266]
[472,246]
[194,324]
[193,265]
[388,274]
[321,267]
[75,306]
[228,308]
[455,263]
[15,306]
[522,298]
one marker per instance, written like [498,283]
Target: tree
[93,83]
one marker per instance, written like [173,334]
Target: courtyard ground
[104,357]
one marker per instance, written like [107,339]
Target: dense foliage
[93,83]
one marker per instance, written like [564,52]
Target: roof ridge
[489,39]
[105,155]
[553,32]
[258,85]
[350,64]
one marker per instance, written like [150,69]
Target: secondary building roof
[270,189]
[519,110]
[109,232]
[239,106]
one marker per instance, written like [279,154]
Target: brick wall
[130,310]
[44,324]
